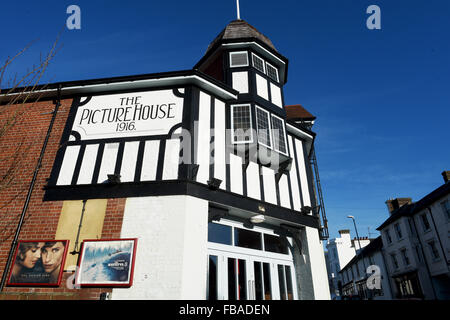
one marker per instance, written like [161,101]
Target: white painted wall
[108,161]
[261,87]
[219,142]
[171,256]
[240,81]
[204,136]
[318,265]
[88,164]
[68,165]
[275,93]
[150,160]
[129,159]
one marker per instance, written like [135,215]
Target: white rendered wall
[261,87]
[318,265]
[240,81]
[171,256]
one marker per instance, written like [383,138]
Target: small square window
[238,59]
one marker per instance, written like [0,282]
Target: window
[394,261]
[279,137]
[398,231]
[405,257]
[275,244]
[258,63]
[388,236]
[241,124]
[238,59]
[433,250]
[446,208]
[247,239]
[271,133]
[263,126]
[425,223]
[272,72]
[219,233]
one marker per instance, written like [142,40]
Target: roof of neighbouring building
[410,209]
[374,245]
[298,112]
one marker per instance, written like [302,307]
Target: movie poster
[107,263]
[38,263]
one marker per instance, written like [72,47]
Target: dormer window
[241,124]
[238,59]
[272,72]
[258,63]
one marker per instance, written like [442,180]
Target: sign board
[134,114]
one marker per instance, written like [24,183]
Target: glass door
[233,276]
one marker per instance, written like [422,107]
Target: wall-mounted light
[259,218]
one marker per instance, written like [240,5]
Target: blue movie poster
[106,262]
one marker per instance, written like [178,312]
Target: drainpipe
[30,191]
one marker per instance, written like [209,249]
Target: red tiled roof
[297,112]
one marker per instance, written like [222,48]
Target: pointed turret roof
[240,29]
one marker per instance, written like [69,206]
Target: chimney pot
[394,204]
[446,175]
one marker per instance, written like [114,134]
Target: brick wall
[20,147]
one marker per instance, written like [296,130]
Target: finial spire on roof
[238,10]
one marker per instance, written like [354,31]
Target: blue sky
[381,97]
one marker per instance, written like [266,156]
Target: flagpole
[238,11]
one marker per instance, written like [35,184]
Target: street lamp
[357,236]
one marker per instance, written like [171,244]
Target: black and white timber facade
[199,154]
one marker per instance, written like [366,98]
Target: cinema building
[207,170]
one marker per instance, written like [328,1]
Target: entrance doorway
[241,268]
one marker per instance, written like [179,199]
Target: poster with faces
[38,263]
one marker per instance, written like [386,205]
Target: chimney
[396,203]
[344,231]
[446,175]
